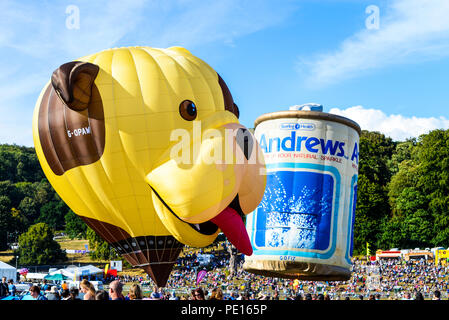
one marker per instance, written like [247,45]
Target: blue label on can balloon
[352,208]
[296,210]
[297,215]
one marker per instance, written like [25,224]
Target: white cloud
[396,126]
[410,31]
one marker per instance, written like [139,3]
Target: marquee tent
[7,271]
[35,276]
[388,254]
[77,273]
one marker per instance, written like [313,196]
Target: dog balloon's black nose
[245,141]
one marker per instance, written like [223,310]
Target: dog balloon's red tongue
[232,226]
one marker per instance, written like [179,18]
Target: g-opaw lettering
[78,132]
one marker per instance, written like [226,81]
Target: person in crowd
[155,295]
[115,290]
[245,296]
[173,296]
[4,291]
[198,294]
[419,296]
[216,294]
[74,292]
[11,288]
[88,289]
[45,286]
[35,293]
[53,294]
[101,295]
[65,294]
[135,292]
[407,296]
[436,295]
[233,296]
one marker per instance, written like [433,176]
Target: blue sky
[272,54]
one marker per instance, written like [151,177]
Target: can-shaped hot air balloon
[303,227]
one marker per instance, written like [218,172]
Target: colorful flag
[23,271]
[368,251]
[200,276]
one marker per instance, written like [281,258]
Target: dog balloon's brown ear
[227,96]
[73,83]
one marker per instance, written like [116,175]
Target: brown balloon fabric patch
[155,254]
[71,138]
[227,96]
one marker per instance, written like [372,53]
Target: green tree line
[402,200]
[403,192]
[31,212]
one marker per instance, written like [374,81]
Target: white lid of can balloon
[308,107]
[307,111]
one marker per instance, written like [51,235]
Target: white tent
[35,276]
[7,271]
[76,273]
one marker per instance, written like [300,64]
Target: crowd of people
[61,291]
[398,277]
[383,279]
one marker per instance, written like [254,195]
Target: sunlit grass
[68,244]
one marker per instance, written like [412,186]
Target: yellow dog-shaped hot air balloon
[144,144]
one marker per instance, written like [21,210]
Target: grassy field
[66,244]
[6,256]
[75,244]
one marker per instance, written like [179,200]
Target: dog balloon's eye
[187,110]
